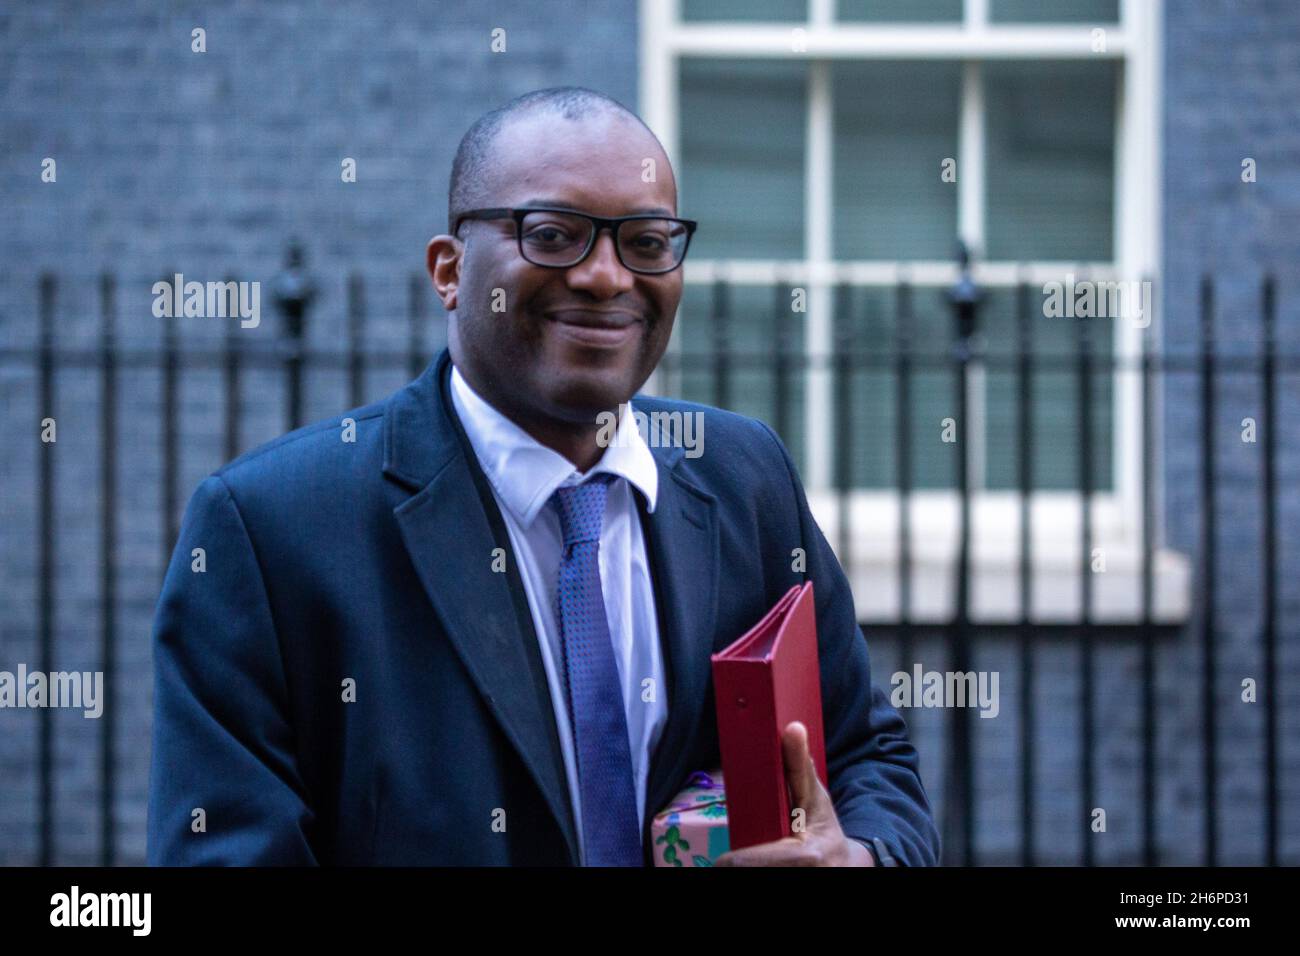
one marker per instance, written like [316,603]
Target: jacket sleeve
[873,768]
[224,787]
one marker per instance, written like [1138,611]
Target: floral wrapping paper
[692,829]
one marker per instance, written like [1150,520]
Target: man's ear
[442,259]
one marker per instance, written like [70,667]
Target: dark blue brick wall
[1232,88]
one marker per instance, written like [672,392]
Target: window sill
[995,595]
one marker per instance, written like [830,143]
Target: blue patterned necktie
[610,831]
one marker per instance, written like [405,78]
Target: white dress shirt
[524,474]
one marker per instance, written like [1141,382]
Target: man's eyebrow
[561,204]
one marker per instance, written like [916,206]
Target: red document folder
[763,681]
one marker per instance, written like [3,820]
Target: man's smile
[597,328]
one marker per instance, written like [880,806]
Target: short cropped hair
[468,188]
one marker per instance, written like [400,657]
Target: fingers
[813,844]
[801,773]
[794,750]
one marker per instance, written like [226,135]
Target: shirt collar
[525,473]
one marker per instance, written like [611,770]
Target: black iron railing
[900,359]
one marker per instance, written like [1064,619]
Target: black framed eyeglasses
[561,238]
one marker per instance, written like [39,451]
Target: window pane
[742,149]
[873,397]
[895,123]
[744,9]
[1050,130]
[1054,11]
[1054,397]
[899,11]
[750,347]
[871,320]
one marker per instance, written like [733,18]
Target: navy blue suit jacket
[371,561]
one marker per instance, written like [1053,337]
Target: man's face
[566,343]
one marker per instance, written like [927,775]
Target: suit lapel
[450,527]
[682,540]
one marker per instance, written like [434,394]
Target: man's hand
[821,841]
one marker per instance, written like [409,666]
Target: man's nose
[601,273]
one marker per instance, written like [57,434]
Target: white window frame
[1135,43]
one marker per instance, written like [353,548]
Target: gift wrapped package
[692,829]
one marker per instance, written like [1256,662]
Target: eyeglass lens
[560,239]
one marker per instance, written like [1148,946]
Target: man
[471,624]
